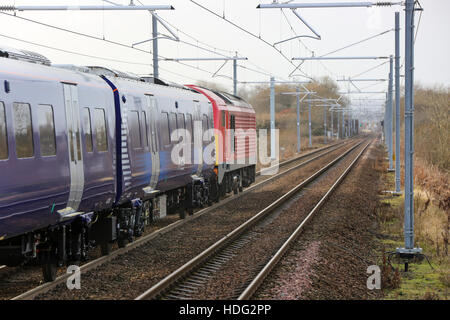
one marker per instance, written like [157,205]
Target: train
[90,155]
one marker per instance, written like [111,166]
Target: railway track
[191,280]
[290,165]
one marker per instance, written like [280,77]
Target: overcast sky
[337,27]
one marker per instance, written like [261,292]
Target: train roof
[226,99]
[23,55]
[33,65]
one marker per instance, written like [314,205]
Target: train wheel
[190,211]
[105,248]
[49,262]
[182,213]
[122,242]
[49,270]
[49,266]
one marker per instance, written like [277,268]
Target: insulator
[384,4]
[7,8]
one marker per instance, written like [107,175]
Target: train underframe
[70,242]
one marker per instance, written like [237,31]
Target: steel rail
[165,284]
[30,294]
[259,279]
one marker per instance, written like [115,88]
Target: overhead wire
[101,39]
[249,33]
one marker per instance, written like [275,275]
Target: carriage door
[74,144]
[151,112]
[198,131]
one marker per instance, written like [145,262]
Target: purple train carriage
[85,158]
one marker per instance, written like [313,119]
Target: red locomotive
[235,124]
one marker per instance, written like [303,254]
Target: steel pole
[298,121]
[385,121]
[332,125]
[338,127]
[155,46]
[325,124]
[409,125]
[347,125]
[390,113]
[309,122]
[272,118]
[397,103]
[235,76]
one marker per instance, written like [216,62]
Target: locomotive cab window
[224,123]
[206,126]
[87,129]
[46,130]
[100,130]
[23,130]
[3,135]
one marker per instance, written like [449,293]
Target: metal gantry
[338,58]
[298,93]
[225,59]
[272,111]
[87,8]
[272,107]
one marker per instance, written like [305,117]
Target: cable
[95,57]
[418,25]
[304,45]
[73,52]
[100,39]
[370,69]
[249,33]
[358,42]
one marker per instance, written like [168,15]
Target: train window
[189,127]
[173,124]
[224,124]
[145,128]
[87,129]
[205,125]
[135,129]
[232,135]
[46,130]
[205,122]
[180,121]
[181,125]
[23,130]
[3,135]
[165,133]
[100,130]
[154,136]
